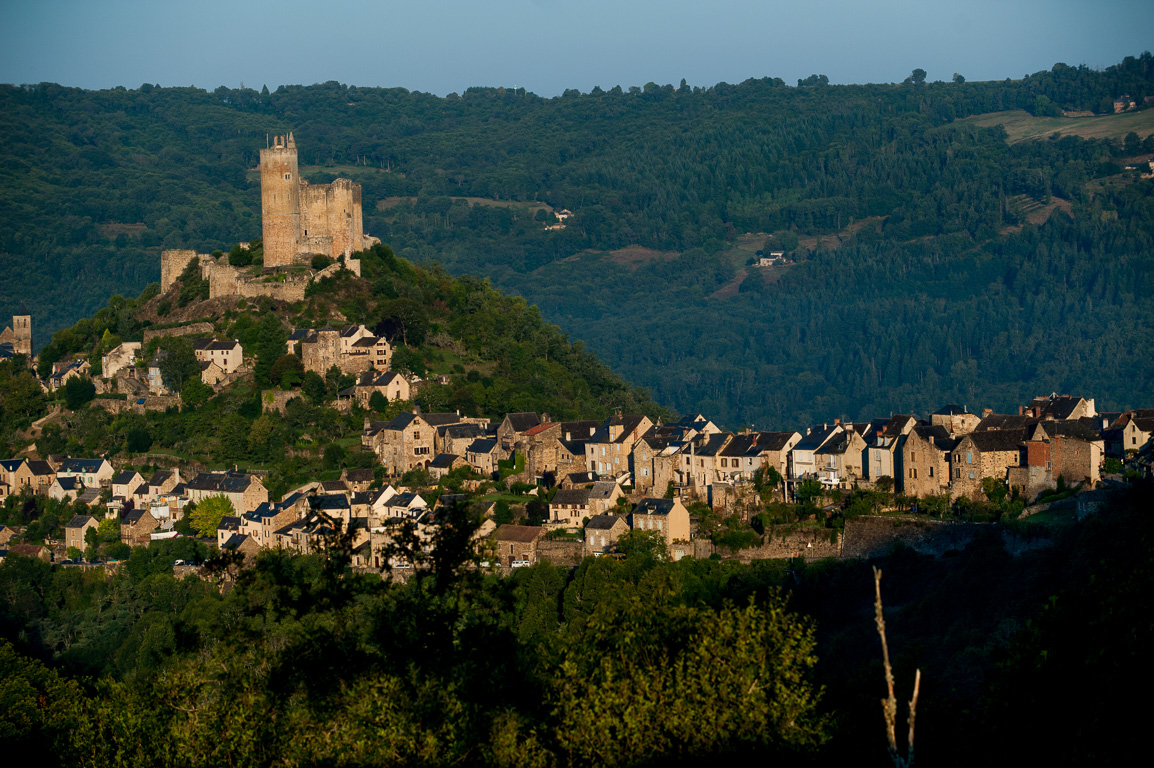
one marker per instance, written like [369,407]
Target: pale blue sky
[546,46]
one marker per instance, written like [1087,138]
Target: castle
[298,220]
[17,340]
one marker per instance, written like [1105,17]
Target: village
[598,480]
[591,482]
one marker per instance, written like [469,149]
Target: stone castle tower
[301,219]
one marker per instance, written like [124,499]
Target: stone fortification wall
[784,543]
[561,552]
[172,263]
[876,536]
[290,292]
[275,400]
[331,218]
[192,329]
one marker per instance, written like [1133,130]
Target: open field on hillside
[390,202]
[1022,126]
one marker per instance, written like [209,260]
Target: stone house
[513,427]
[882,456]
[239,542]
[65,370]
[1059,407]
[582,479]
[245,492]
[539,446]
[602,533]
[645,452]
[6,535]
[77,528]
[925,461]
[802,458]
[956,420]
[666,516]
[483,455]
[699,462]
[211,374]
[569,507]
[93,473]
[775,448]
[405,442]
[136,527]
[444,463]
[455,438]
[262,522]
[122,357]
[392,386]
[65,489]
[609,449]
[1136,428]
[405,504]
[983,454]
[228,526]
[741,458]
[163,481]
[30,550]
[358,480]
[839,460]
[125,483]
[1068,449]
[351,349]
[516,544]
[226,355]
[603,496]
[15,475]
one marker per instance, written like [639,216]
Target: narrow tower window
[288,177]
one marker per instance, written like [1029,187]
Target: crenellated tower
[280,189]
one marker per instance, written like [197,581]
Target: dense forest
[935,260]
[637,662]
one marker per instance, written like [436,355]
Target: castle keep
[301,219]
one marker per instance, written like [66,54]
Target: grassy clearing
[391,202]
[1022,126]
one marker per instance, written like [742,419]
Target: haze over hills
[933,259]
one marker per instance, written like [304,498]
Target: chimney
[836,421]
[1021,410]
[986,412]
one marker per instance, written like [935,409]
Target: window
[970,458]
[971,474]
[931,471]
[288,177]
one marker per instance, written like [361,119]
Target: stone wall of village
[192,329]
[866,537]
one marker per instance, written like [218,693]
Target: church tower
[280,201]
[22,330]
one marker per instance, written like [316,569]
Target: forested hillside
[935,260]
